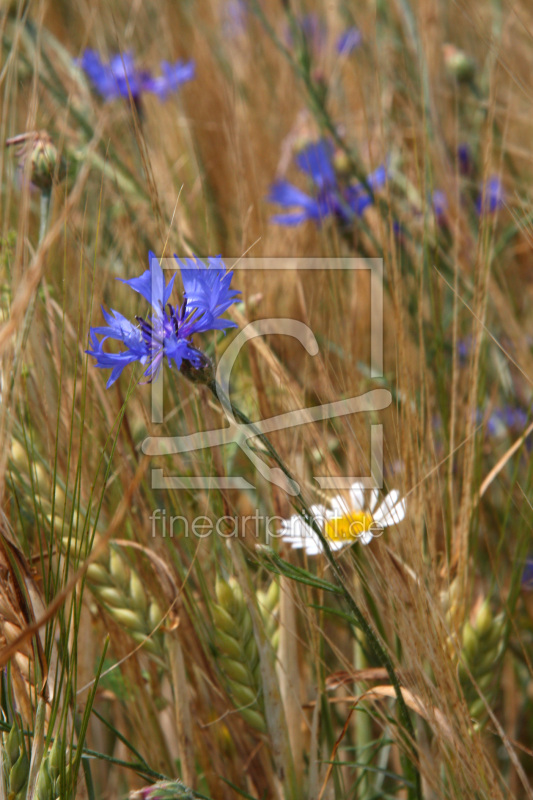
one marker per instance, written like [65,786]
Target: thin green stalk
[28,317]
[363,731]
[45,214]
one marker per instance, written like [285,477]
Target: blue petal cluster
[329,197]
[169,330]
[120,77]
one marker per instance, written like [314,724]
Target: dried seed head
[459,64]
[45,163]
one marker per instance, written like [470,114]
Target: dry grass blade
[21,604]
[495,471]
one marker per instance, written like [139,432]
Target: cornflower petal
[120,77]
[316,161]
[151,284]
[286,194]
[173,76]
[208,292]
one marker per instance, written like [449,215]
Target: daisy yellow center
[350,526]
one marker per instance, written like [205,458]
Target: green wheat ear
[16,761]
[117,587]
[237,653]
[483,646]
[268,603]
[482,641]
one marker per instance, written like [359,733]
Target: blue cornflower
[330,198]
[349,41]
[168,332]
[491,197]
[120,77]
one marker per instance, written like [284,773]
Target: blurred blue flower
[169,331]
[120,77]
[358,197]
[398,231]
[313,31]
[515,418]
[508,418]
[349,41]
[492,196]
[234,18]
[330,198]
[440,204]
[527,575]
[174,75]
[464,156]
[464,348]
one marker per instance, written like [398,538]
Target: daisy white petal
[297,532]
[357,495]
[391,511]
[374,495]
[313,548]
[339,506]
[365,537]
[339,543]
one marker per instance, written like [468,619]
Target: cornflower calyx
[45,162]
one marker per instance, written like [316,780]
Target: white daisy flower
[358,518]
[355,518]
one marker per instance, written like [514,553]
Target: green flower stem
[45,214]
[363,730]
[371,636]
[28,317]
